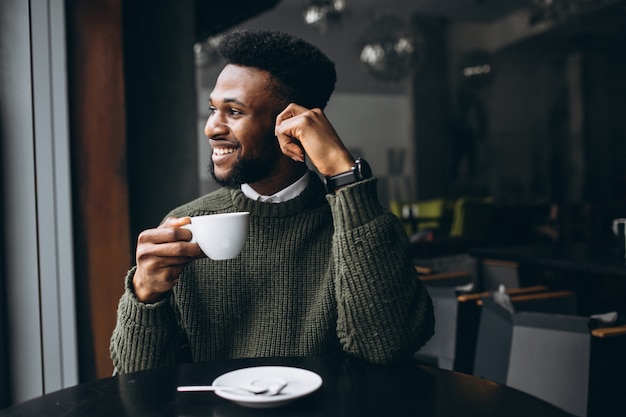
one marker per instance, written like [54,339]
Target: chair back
[440,349]
[443,290]
[544,354]
[472,219]
[496,272]
[549,358]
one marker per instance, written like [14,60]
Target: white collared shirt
[283,195]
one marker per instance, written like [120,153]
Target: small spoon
[199,388]
[273,389]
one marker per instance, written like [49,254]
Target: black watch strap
[360,171]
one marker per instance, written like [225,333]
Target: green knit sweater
[318,274]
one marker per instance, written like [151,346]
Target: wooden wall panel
[98,133]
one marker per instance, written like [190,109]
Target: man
[324,269]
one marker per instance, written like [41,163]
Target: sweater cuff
[355,204]
[134,313]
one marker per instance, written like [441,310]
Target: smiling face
[240,127]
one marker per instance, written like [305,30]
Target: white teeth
[222,151]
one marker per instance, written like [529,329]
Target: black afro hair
[308,75]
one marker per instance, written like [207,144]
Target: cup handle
[190,228]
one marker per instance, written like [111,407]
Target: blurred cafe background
[491,124]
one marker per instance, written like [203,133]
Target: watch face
[363,169]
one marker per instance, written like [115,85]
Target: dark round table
[350,388]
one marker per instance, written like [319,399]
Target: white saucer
[300,382]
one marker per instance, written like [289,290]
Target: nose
[215,125]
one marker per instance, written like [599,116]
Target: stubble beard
[245,171]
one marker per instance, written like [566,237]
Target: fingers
[303,131]
[156,275]
[292,148]
[169,231]
[287,132]
[169,241]
[161,254]
[175,221]
[290,111]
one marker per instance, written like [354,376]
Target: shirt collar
[283,195]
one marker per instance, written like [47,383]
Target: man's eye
[231,111]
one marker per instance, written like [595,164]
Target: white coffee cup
[220,236]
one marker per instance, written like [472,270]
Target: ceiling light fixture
[325,15]
[205,53]
[390,49]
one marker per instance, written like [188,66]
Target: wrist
[359,171]
[337,169]
[142,293]
[147,297]
[335,161]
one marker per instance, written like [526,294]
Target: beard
[245,171]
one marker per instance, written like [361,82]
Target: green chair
[472,219]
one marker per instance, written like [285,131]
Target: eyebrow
[230,100]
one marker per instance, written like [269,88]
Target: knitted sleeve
[145,335]
[384,312]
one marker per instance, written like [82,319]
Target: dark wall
[605,88]
[159,68]
[553,118]
[430,104]
[160,108]
[214,17]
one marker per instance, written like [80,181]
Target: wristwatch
[360,171]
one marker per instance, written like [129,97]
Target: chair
[456,319]
[607,375]
[494,273]
[469,313]
[422,215]
[433,214]
[445,279]
[545,354]
[472,219]
[443,289]
[448,263]
[558,302]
